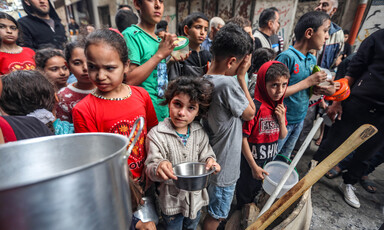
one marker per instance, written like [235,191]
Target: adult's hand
[335,111]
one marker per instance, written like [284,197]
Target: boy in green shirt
[148,52]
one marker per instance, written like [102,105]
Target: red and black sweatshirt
[263,131]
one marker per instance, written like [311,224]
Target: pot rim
[64,172]
[196,176]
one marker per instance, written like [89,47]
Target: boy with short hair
[261,134]
[195,28]
[148,52]
[231,102]
[311,32]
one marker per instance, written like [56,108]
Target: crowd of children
[203,115]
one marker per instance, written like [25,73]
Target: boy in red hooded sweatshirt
[261,134]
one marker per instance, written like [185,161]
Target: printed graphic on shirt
[296,69]
[264,151]
[21,66]
[268,125]
[137,157]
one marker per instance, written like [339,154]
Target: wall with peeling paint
[373,22]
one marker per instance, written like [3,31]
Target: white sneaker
[349,195]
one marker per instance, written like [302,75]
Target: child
[259,57]
[51,62]
[161,28]
[29,93]
[114,106]
[69,96]
[12,56]
[14,128]
[147,53]
[195,27]
[311,32]
[261,134]
[177,140]
[231,102]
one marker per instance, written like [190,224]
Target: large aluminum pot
[76,181]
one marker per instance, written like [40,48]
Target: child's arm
[257,171]
[280,115]
[249,112]
[138,74]
[158,168]
[82,122]
[312,80]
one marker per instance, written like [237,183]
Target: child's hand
[146,226]
[258,173]
[167,45]
[324,90]
[244,66]
[280,113]
[181,57]
[316,78]
[212,163]
[165,171]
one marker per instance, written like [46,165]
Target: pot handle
[141,126]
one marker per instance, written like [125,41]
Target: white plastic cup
[276,170]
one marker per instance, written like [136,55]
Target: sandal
[333,173]
[368,185]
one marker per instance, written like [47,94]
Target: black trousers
[247,187]
[356,112]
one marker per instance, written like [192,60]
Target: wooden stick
[362,134]
[292,166]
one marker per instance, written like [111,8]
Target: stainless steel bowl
[192,176]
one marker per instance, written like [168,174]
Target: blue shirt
[300,67]
[206,45]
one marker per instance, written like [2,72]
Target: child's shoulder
[139,90]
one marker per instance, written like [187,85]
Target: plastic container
[182,47]
[276,170]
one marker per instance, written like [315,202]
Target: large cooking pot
[76,181]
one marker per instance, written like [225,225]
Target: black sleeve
[27,127]
[362,59]
[342,68]
[26,37]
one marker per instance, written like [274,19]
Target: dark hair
[124,19]
[240,21]
[42,56]
[192,18]
[313,19]
[4,15]
[162,24]
[231,40]
[346,32]
[71,46]
[25,91]
[261,56]
[111,38]
[266,16]
[275,71]
[197,88]
[124,5]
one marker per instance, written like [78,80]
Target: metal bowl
[192,176]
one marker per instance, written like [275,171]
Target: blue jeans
[285,146]
[220,200]
[178,221]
